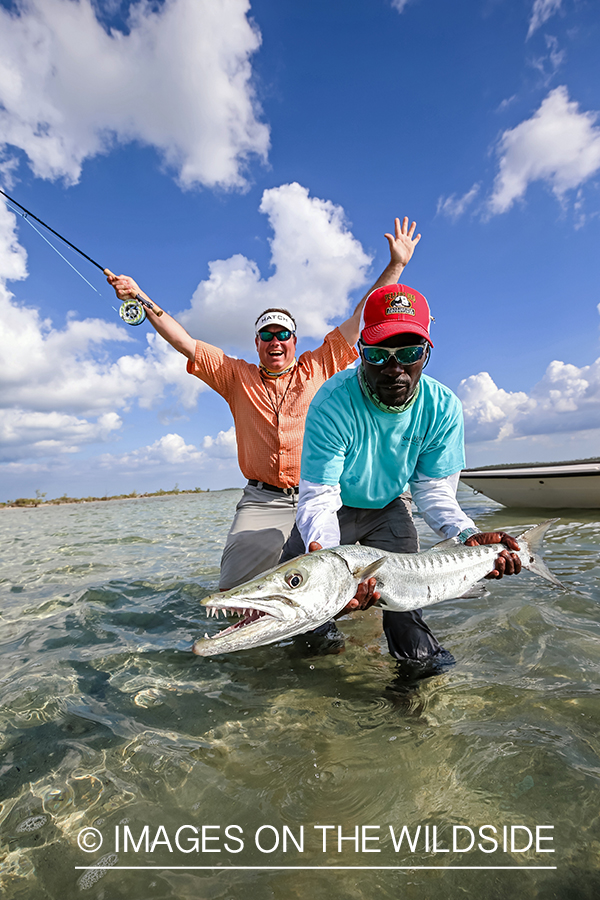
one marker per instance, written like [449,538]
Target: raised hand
[402,244]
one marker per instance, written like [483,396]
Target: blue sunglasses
[283,335]
[404,356]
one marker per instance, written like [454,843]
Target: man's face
[393,383]
[276,355]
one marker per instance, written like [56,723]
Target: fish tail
[531,541]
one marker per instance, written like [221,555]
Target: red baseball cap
[395,309]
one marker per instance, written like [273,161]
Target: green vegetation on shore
[39,499]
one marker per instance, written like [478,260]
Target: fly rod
[131,311]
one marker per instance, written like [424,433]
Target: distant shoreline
[31,502]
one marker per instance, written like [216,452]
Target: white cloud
[65,387]
[541,12]
[170,450]
[13,259]
[559,145]
[8,169]
[55,470]
[566,400]
[68,371]
[179,81]
[504,104]
[400,5]
[59,393]
[317,262]
[489,410]
[454,206]
[25,434]
[59,389]
[548,65]
[224,446]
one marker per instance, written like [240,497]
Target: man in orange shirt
[269,403]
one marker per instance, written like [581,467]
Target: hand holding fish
[506,563]
[365,596]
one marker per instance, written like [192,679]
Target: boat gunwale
[473,476]
[569,469]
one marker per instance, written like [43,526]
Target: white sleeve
[436,501]
[316,517]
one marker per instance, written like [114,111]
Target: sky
[232,156]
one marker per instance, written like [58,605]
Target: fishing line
[131,311]
[50,244]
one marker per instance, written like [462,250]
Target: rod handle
[149,304]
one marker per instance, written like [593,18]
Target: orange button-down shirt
[269,413]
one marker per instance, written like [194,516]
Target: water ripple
[107,719]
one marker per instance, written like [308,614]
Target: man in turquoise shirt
[370,433]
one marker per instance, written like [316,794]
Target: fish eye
[294,579]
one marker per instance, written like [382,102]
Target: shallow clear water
[108,721]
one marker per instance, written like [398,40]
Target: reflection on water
[107,721]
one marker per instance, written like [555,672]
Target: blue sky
[236,154]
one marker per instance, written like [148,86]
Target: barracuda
[306,592]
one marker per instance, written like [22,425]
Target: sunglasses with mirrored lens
[283,335]
[404,356]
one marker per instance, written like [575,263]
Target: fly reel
[132,312]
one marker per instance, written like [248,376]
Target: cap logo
[400,304]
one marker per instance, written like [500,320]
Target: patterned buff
[370,393]
[270,374]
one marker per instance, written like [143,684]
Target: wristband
[467,533]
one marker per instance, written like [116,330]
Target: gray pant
[392,529]
[260,527]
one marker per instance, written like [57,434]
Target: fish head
[289,599]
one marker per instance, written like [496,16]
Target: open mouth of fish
[249,615]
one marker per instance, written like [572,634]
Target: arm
[436,501]
[402,245]
[168,328]
[319,528]
[316,516]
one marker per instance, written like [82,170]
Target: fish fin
[368,571]
[447,544]
[532,540]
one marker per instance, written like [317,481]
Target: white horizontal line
[306,868]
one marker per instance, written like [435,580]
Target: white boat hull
[561,486]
